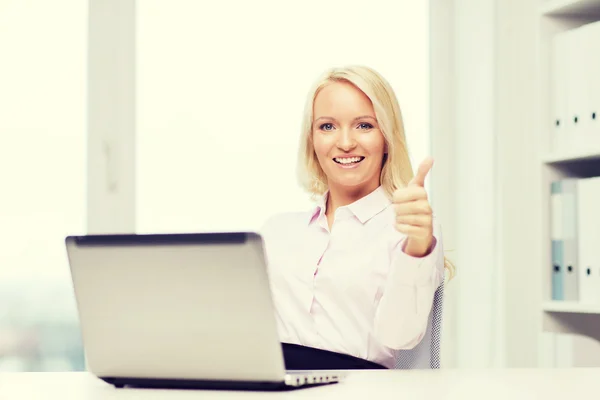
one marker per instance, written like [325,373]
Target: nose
[346,141]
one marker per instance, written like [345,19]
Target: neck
[342,196]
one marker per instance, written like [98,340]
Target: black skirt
[308,358]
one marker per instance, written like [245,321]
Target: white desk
[508,384]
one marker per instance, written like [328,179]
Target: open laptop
[180,310]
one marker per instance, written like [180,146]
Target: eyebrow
[355,119]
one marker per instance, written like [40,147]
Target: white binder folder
[556,238]
[577,89]
[569,237]
[558,94]
[588,204]
[593,73]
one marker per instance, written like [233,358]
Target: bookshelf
[573,158]
[569,7]
[576,325]
[570,307]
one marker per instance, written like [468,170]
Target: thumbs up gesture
[414,214]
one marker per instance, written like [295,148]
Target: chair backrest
[426,355]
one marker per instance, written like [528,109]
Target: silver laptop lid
[180,306]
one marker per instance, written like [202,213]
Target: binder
[556,221]
[575,92]
[588,203]
[560,124]
[593,74]
[577,89]
[569,240]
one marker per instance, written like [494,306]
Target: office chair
[426,355]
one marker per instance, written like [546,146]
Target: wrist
[418,247]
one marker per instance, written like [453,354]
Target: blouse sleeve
[403,312]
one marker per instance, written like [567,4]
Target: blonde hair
[396,171]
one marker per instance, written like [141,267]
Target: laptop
[180,311]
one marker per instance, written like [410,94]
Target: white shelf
[571,307]
[573,157]
[575,324]
[570,7]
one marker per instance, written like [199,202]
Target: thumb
[424,168]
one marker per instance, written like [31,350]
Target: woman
[356,275]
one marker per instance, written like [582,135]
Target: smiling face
[346,138]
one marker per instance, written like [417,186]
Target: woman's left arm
[403,312]
[416,271]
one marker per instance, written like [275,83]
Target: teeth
[347,160]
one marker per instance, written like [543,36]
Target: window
[43,176]
[221,88]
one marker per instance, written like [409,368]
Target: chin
[352,184]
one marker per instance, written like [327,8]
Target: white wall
[519,180]
[475,183]
[220,93]
[483,107]
[463,137]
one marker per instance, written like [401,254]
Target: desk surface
[505,384]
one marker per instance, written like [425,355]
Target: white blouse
[351,290]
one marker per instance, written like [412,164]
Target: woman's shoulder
[285,221]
